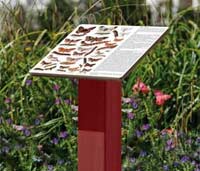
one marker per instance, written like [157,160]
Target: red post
[99,125]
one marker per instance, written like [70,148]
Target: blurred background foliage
[54,15]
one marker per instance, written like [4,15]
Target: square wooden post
[99,125]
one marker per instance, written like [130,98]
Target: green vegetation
[38,115]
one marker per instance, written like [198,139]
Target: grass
[36,112]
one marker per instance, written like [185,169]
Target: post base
[99,125]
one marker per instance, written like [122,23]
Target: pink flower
[8,100]
[126,100]
[57,101]
[161,98]
[140,87]
[19,127]
[168,131]
[63,134]
[39,147]
[74,108]
[56,87]
[130,116]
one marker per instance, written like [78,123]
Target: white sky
[195,3]
[41,3]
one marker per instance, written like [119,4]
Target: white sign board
[99,51]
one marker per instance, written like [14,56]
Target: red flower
[161,98]
[168,131]
[140,87]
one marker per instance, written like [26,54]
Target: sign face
[99,51]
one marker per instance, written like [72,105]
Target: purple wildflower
[50,167]
[134,105]
[169,145]
[132,159]
[184,159]
[9,121]
[193,163]
[67,101]
[1,120]
[167,148]
[74,81]
[145,127]
[198,140]
[197,167]
[55,141]
[163,134]
[57,101]
[7,100]
[138,133]
[56,87]
[28,82]
[166,167]
[169,142]
[37,121]
[143,153]
[181,134]
[5,149]
[189,141]
[27,132]
[176,164]
[130,115]
[63,134]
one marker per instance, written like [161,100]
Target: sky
[195,3]
[40,3]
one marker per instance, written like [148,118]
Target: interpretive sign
[99,51]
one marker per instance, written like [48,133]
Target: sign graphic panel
[99,51]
